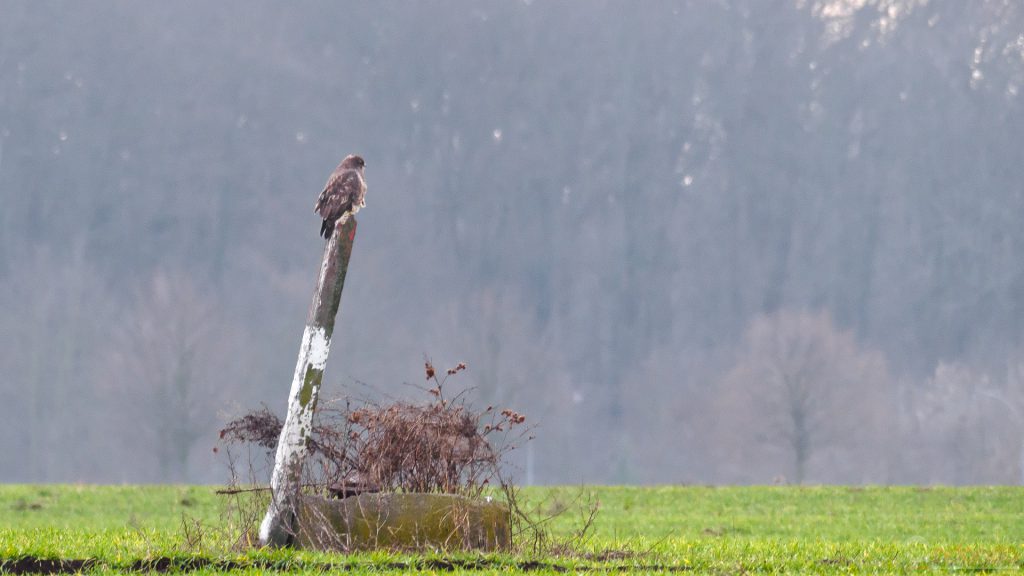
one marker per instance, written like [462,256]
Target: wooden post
[277,527]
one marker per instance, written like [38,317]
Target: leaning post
[278,526]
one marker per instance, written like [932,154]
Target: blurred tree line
[733,241]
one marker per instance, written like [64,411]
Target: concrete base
[403,521]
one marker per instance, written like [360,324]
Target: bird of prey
[344,194]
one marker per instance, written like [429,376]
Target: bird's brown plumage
[344,194]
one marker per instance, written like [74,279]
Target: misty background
[733,241]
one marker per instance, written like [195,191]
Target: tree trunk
[278,527]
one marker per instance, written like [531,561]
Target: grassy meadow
[110,529]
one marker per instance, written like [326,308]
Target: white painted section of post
[285,481]
[291,447]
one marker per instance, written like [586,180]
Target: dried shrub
[443,445]
[261,427]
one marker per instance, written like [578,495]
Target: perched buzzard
[344,194]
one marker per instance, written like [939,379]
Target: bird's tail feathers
[328,226]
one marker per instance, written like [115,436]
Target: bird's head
[353,162]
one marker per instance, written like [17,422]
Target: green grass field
[109,529]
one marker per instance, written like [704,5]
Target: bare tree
[1011,398]
[171,365]
[55,321]
[965,427]
[809,394]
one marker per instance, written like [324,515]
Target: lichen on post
[277,527]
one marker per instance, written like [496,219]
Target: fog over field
[733,241]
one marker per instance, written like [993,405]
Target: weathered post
[278,526]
